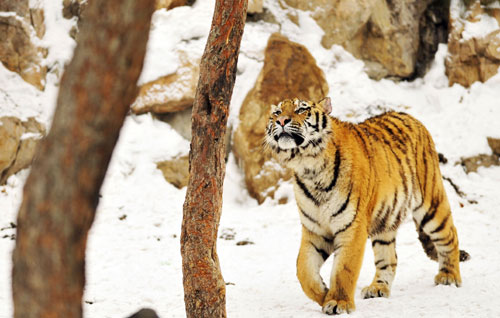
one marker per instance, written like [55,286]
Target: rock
[38,21]
[73,8]
[384,34]
[264,16]
[20,28]
[255,6]
[284,62]
[472,57]
[170,93]
[244,242]
[145,313]
[442,159]
[20,7]
[494,144]
[175,171]
[18,142]
[471,164]
[170,4]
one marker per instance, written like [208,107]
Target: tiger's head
[295,124]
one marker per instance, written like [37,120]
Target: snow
[180,29]
[480,26]
[485,25]
[133,256]
[56,39]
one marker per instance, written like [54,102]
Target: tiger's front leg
[345,271]
[312,254]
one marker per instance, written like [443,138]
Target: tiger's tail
[430,249]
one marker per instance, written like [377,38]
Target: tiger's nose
[282,120]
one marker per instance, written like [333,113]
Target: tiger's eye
[302,110]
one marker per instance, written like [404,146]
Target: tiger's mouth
[288,140]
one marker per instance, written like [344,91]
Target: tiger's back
[354,181]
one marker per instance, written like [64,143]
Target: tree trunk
[62,191]
[204,287]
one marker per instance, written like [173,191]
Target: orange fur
[354,181]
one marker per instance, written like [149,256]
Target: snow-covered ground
[133,257]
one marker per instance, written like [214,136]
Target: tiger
[358,181]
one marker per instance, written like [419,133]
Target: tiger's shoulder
[390,120]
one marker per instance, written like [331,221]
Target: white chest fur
[325,213]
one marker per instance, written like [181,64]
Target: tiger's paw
[447,278]
[376,290]
[335,307]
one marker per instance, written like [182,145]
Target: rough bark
[204,287]
[62,191]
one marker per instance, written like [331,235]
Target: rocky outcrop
[18,142]
[289,71]
[385,34]
[473,56]
[170,93]
[175,171]
[20,31]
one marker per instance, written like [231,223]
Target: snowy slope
[133,251]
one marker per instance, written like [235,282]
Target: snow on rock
[474,43]
[20,49]
[173,31]
[170,93]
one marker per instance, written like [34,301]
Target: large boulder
[18,142]
[289,71]
[20,31]
[175,171]
[473,56]
[385,34]
[170,93]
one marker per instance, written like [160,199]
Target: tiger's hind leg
[434,219]
[384,249]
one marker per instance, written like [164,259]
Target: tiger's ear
[326,103]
